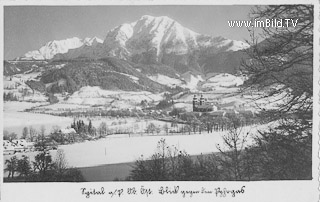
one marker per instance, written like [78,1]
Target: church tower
[201,100]
[195,103]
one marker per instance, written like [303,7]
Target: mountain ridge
[154,37]
[52,48]
[152,53]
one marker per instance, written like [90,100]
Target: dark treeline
[44,167]
[10,97]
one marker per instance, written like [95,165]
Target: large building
[201,104]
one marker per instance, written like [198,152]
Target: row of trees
[81,128]
[82,131]
[10,97]
[27,133]
[118,113]
[209,123]
[170,164]
[43,167]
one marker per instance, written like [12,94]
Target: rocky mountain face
[142,55]
[149,40]
[53,48]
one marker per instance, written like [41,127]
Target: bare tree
[232,152]
[32,133]
[166,128]
[280,71]
[280,67]
[11,166]
[151,128]
[102,129]
[25,133]
[55,129]
[60,162]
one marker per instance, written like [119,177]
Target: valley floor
[115,152]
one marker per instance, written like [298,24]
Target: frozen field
[122,148]
[14,119]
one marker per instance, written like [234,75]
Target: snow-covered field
[185,106]
[191,80]
[9,107]
[14,119]
[165,80]
[211,81]
[96,96]
[122,148]
[20,89]
[221,81]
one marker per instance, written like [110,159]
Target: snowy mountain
[153,39]
[52,48]
[152,53]
[164,35]
[147,40]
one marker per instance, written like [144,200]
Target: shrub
[170,164]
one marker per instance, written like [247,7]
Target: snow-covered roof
[68,130]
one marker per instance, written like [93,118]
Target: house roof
[68,130]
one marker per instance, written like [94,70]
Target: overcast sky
[29,27]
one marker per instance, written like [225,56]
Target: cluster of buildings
[201,104]
[11,147]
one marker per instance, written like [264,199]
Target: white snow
[134,78]
[52,48]
[165,80]
[122,148]
[163,34]
[91,41]
[16,85]
[59,66]
[68,130]
[95,95]
[14,120]
[191,80]
[186,106]
[238,45]
[223,80]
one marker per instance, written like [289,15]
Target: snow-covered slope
[87,49]
[223,81]
[94,95]
[166,80]
[191,80]
[18,87]
[161,33]
[52,48]
[157,35]
[237,45]
[153,41]
[187,80]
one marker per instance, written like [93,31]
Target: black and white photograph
[122,94]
